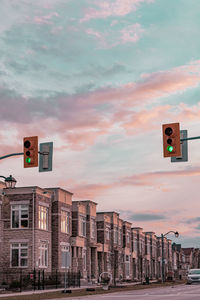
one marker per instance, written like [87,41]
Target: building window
[135,245]
[148,248]
[127,265]
[64,221]
[83,226]
[120,237]
[19,255]
[93,228]
[65,257]
[84,259]
[115,236]
[107,233]
[128,237]
[43,217]
[19,215]
[43,255]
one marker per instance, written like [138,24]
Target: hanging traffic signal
[171,140]
[30,152]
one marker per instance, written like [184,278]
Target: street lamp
[162,239]
[10,181]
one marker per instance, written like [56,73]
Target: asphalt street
[190,292]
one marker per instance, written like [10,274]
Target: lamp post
[9,181]
[162,241]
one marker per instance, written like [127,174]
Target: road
[178,292]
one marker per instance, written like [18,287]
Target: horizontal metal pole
[192,138]
[12,154]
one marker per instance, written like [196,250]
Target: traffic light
[171,140]
[30,152]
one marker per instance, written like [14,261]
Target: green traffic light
[28,160]
[170,148]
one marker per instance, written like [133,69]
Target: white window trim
[84,256]
[47,217]
[19,249]
[20,209]
[92,230]
[66,216]
[44,246]
[80,225]
[67,250]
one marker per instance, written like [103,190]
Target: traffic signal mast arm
[192,138]
[12,154]
[22,153]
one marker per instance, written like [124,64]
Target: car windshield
[194,271]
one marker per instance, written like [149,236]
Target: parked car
[193,276]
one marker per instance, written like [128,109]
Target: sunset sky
[98,78]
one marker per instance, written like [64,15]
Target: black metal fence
[38,279]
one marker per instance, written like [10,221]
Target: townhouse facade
[44,229]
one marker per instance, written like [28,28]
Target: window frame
[43,250]
[45,211]
[19,246]
[82,226]
[93,228]
[19,209]
[65,222]
[64,249]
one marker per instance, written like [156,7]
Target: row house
[134,251]
[111,231]
[141,265]
[84,239]
[27,229]
[166,256]
[127,255]
[44,229]
[151,252]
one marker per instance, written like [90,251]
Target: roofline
[84,201]
[107,212]
[34,188]
[59,188]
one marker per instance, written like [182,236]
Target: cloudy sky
[98,79]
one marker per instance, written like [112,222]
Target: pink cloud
[45,19]
[112,8]
[87,190]
[79,122]
[131,33]
[145,120]
[152,87]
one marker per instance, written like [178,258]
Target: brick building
[44,229]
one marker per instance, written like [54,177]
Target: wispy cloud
[84,189]
[110,8]
[132,33]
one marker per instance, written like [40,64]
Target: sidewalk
[61,289]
